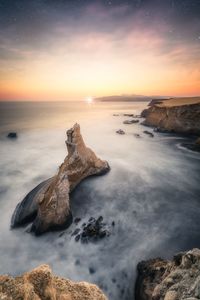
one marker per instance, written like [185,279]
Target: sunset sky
[65,50]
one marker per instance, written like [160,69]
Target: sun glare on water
[89,100]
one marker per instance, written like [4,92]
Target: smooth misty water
[152,193]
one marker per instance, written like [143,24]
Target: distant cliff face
[170,280]
[183,118]
[40,283]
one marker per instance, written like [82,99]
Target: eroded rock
[178,279]
[120,131]
[179,115]
[128,122]
[50,200]
[41,283]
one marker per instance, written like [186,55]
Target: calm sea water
[152,192]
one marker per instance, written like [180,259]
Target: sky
[69,50]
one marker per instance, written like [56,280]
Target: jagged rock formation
[181,115]
[49,204]
[178,279]
[40,283]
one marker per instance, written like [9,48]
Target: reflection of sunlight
[89,100]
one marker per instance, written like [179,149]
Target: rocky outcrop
[40,283]
[49,204]
[178,279]
[174,115]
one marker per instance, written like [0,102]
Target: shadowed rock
[178,279]
[50,201]
[41,284]
[12,135]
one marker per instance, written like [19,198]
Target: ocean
[152,192]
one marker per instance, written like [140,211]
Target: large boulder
[178,279]
[49,203]
[40,283]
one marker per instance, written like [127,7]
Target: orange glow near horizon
[136,60]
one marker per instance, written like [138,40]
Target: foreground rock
[49,204]
[40,283]
[180,115]
[178,279]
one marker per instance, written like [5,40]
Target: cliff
[40,283]
[180,115]
[48,205]
[178,279]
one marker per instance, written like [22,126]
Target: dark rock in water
[191,146]
[92,270]
[77,238]
[148,133]
[76,231]
[162,130]
[129,115]
[131,121]
[92,231]
[12,135]
[77,262]
[77,220]
[137,135]
[120,131]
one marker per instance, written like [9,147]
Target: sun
[89,100]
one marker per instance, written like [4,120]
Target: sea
[152,192]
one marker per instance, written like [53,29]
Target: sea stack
[49,203]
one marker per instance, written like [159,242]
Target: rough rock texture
[40,283]
[49,201]
[174,116]
[178,279]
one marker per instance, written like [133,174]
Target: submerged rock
[41,283]
[120,131]
[178,279]
[195,146]
[92,231]
[50,201]
[130,122]
[12,135]
[148,133]
[129,115]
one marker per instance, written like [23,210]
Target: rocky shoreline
[178,279]
[181,115]
[48,207]
[41,283]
